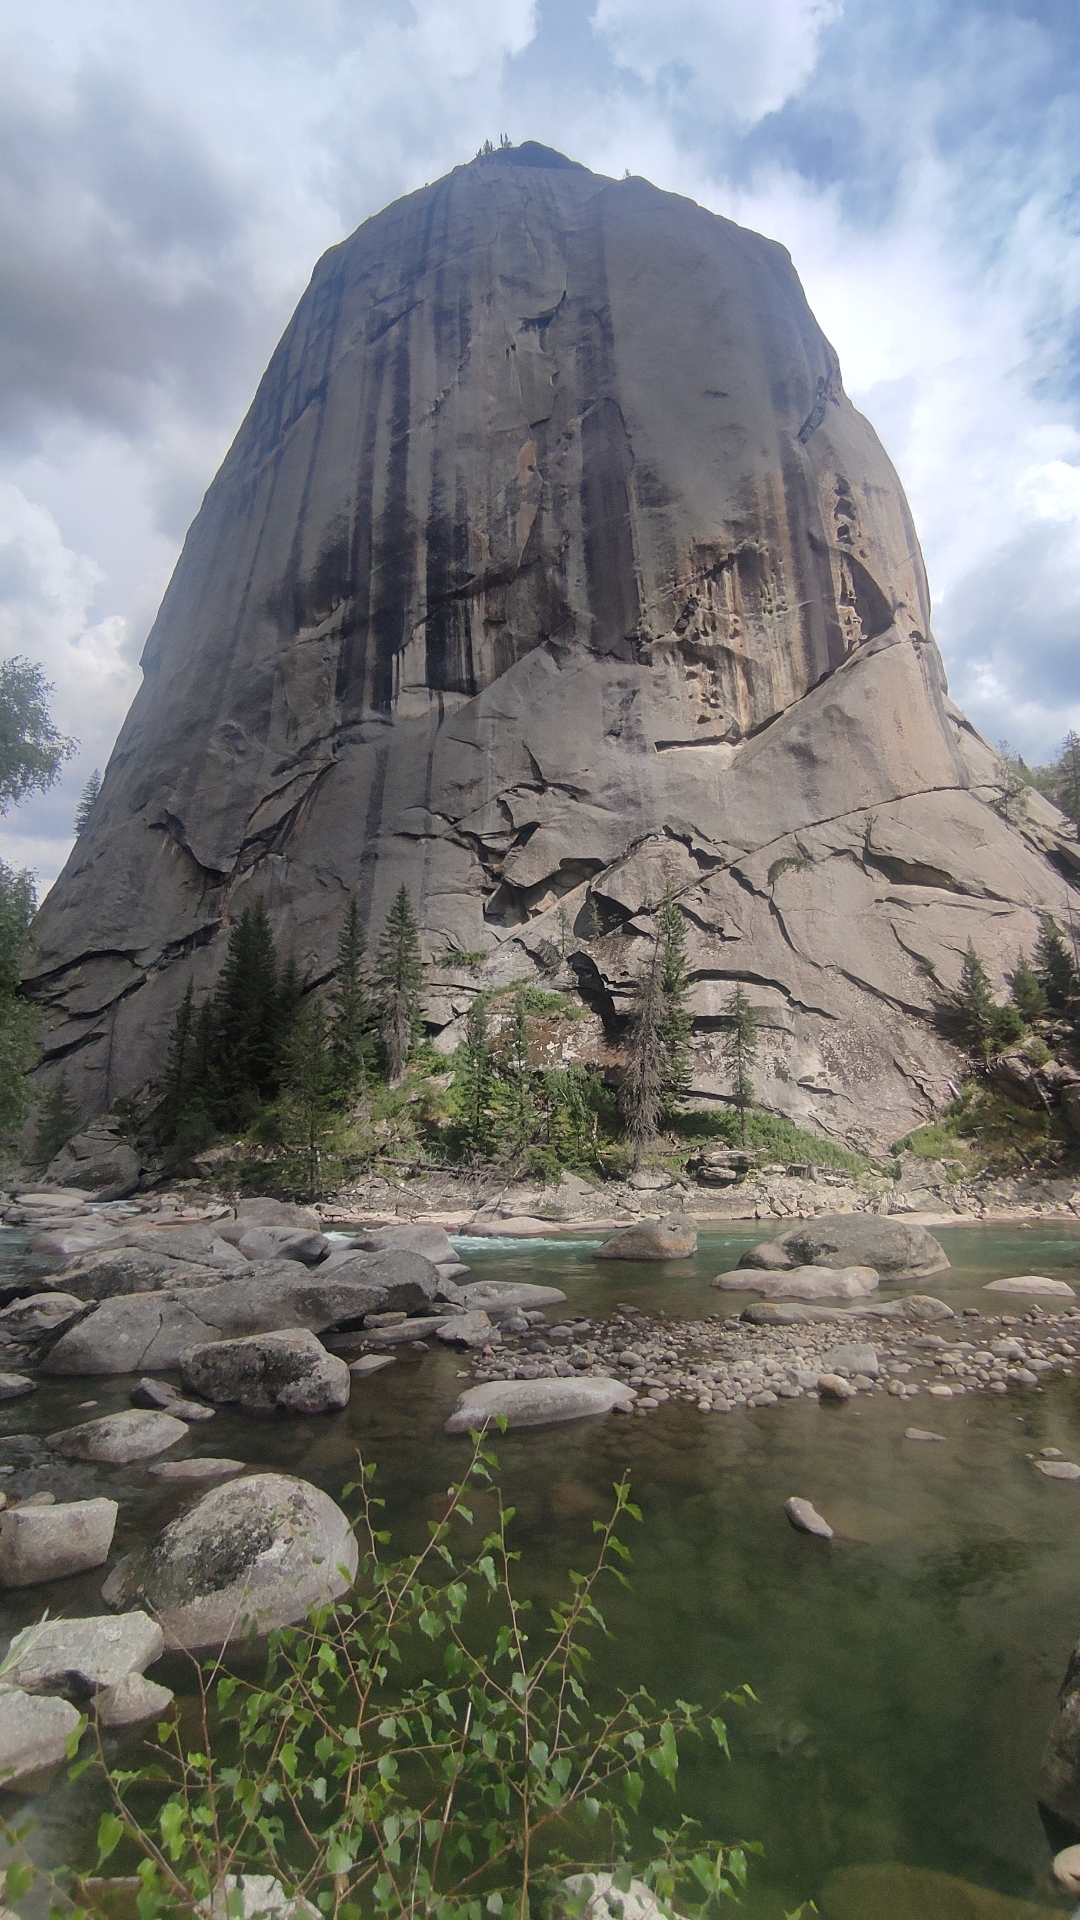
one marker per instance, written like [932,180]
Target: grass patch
[780,1137]
[988,1131]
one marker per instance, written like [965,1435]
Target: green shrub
[425,1749]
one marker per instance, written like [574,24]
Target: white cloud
[742,60]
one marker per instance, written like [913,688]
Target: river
[905,1671]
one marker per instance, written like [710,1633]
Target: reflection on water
[905,1671]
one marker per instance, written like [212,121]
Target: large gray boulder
[550,565]
[801,1283]
[117,1439]
[672,1238]
[100,1161]
[538,1403]
[1059,1771]
[39,1316]
[34,1734]
[497,1297]
[894,1248]
[305,1244]
[77,1657]
[251,1555]
[291,1371]
[151,1331]
[433,1242]
[53,1542]
[111,1272]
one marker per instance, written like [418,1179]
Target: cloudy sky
[169,174]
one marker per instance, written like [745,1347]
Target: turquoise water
[905,1671]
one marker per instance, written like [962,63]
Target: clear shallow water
[905,1671]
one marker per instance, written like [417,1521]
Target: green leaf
[665,1757]
[18,1880]
[486,1566]
[635,1787]
[539,1754]
[109,1834]
[494,1903]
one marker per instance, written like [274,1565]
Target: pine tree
[1056,967]
[1068,781]
[641,1094]
[475,1073]
[677,1023]
[740,1053]
[518,1106]
[1025,992]
[246,1019]
[399,982]
[351,1022]
[177,1079]
[290,994]
[86,802]
[310,1085]
[976,1003]
[58,1116]
[1012,784]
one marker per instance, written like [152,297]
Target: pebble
[921,1433]
[1058,1469]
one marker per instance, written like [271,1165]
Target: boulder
[291,1371]
[151,1331]
[1059,1469]
[496,1297]
[116,1439]
[1070,1101]
[284,1243]
[34,1734]
[393,1336]
[162,1398]
[920,1309]
[465,1330]
[894,1248]
[14,1385]
[806,1518]
[254,1896]
[769,1255]
[131,1700]
[50,1543]
[833,1386]
[76,1657]
[39,1316]
[538,1403]
[850,1359]
[193,1472]
[370,1363]
[99,1161]
[604,1902]
[114,1272]
[433,1242]
[1032,1286]
[1067,1868]
[672,1238]
[891,1891]
[253,1554]
[801,1283]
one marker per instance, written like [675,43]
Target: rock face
[552,560]
[254,1554]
